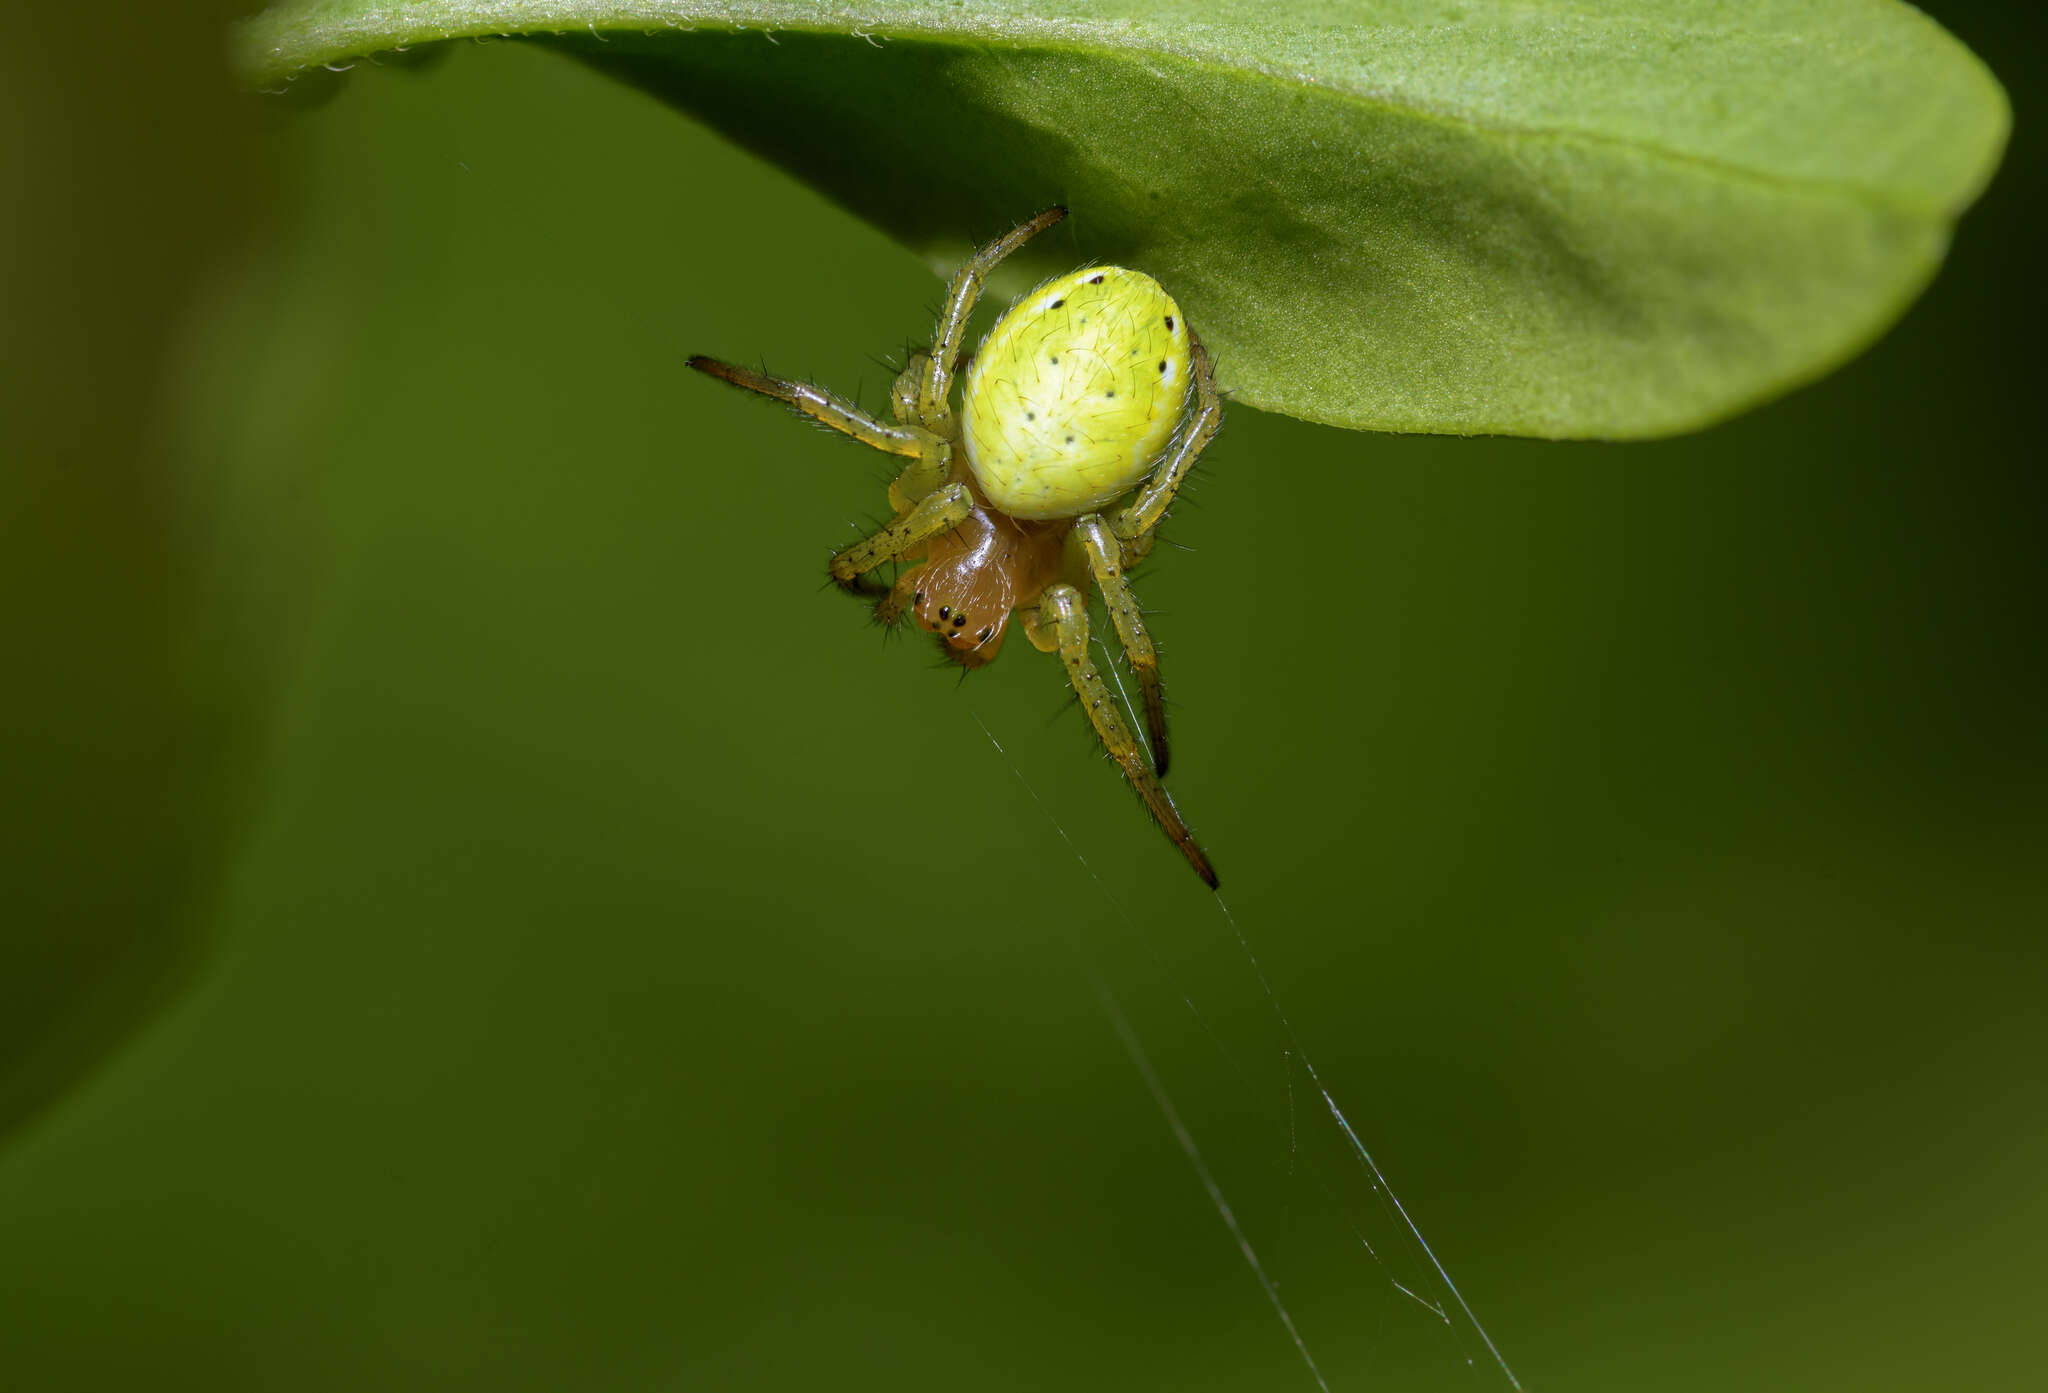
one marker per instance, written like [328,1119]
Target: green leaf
[1540,217]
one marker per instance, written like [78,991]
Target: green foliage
[1541,217]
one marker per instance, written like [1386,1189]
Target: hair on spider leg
[1109,663]
[860,588]
[892,627]
[1090,743]
[871,522]
[887,632]
[1123,661]
[1216,361]
[1070,701]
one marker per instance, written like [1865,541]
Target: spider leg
[821,405]
[865,586]
[903,392]
[1065,614]
[889,610]
[929,470]
[892,601]
[1156,496]
[933,409]
[936,512]
[1106,565]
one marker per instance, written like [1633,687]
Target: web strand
[1397,1212]
[1364,1156]
[1136,1050]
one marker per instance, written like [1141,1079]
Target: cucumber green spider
[1090,392]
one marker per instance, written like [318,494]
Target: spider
[1076,401]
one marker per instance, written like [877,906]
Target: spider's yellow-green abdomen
[1075,392]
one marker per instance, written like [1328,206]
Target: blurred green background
[478,913]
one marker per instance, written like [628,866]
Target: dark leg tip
[712,367]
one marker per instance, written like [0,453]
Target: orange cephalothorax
[973,576]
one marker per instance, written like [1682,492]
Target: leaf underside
[1561,218]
